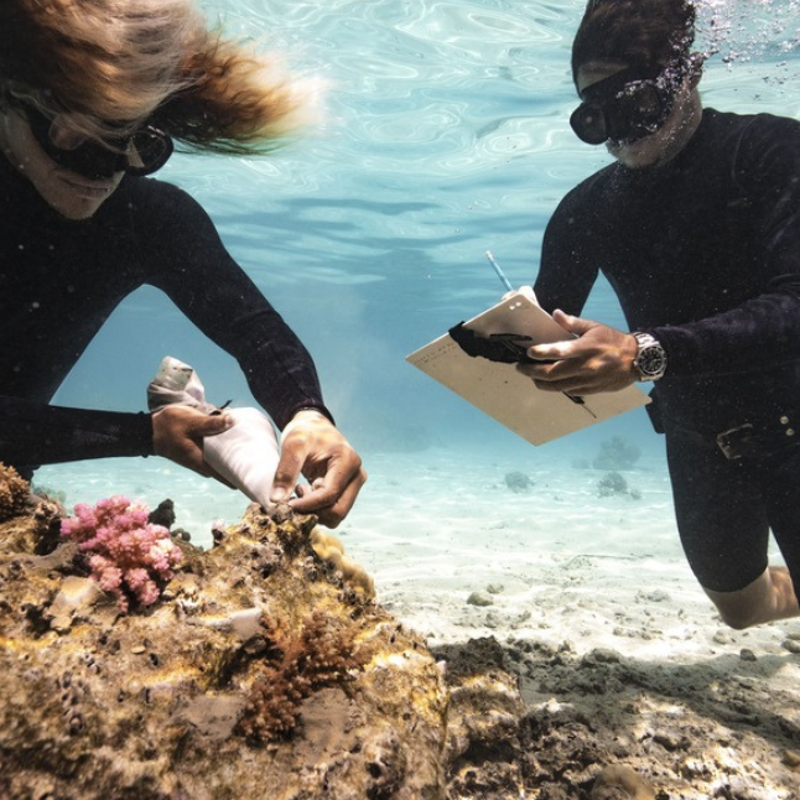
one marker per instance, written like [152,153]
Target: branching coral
[321,656]
[127,555]
[14,492]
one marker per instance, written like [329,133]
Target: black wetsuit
[61,279]
[704,253]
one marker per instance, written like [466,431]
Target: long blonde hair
[125,61]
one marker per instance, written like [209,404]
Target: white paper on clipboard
[506,395]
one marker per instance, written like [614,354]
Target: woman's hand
[178,433]
[312,445]
[599,360]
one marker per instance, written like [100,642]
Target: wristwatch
[650,360]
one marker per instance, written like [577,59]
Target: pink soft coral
[128,555]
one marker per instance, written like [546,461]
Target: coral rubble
[264,670]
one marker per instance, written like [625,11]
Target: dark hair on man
[638,33]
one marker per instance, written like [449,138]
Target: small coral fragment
[331,549]
[127,555]
[14,492]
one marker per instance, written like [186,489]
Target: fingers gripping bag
[246,455]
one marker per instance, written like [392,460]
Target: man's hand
[178,433]
[311,445]
[599,360]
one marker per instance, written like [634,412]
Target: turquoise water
[446,133]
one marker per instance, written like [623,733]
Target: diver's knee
[736,609]
[769,597]
[738,619]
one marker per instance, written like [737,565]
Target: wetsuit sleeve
[32,434]
[211,289]
[764,331]
[567,272]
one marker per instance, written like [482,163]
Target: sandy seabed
[525,565]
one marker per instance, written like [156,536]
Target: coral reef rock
[616,453]
[518,482]
[612,484]
[264,670]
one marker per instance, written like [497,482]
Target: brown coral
[14,492]
[331,550]
[318,657]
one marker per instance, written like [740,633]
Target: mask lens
[637,112]
[589,123]
[148,151]
[62,136]
[40,127]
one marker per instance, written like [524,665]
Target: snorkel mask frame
[629,105]
[140,153]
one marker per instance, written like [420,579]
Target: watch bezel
[651,359]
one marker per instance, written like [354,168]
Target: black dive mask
[627,106]
[141,153]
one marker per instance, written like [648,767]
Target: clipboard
[506,395]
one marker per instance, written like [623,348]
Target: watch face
[652,360]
